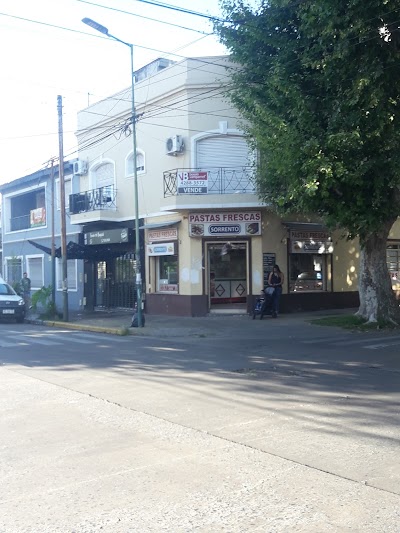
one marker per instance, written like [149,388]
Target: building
[27,215]
[206,240]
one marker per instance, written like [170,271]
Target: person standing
[276,279]
[26,289]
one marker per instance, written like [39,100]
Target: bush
[43,299]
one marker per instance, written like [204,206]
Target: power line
[141,16]
[180,9]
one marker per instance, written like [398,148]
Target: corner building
[207,242]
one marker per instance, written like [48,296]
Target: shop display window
[307,272]
[167,273]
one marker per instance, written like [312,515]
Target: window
[307,272]
[68,191]
[393,262]
[167,276]
[71,275]
[140,163]
[34,268]
[13,269]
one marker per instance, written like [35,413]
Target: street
[282,428]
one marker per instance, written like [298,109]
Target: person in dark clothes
[276,279]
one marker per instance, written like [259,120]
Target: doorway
[114,282]
[227,275]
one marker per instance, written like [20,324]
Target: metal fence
[224,180]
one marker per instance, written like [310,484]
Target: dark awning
[81,251]
[45,248]
[305,226]
[160,225]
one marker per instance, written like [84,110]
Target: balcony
[212,181]
[36,218]
[95,204]
[210,187]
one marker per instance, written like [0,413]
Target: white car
[11,304]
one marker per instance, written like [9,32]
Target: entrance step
[228,310]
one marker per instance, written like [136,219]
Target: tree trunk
[377,298]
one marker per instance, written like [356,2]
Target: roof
[37,176]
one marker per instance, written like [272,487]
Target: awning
[160,225]
[81,251]
[305,226]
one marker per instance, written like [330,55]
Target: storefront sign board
[167,234]
[192,182]
[223,224]
[167,248]
[110,236]
[310,242]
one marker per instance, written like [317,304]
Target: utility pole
[62,210]
[53,244]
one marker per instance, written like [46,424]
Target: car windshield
[6,289]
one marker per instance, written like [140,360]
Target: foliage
[43,299]
[318,83]
[318,86]
[17,287]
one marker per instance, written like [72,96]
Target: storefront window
[307,272]
[393,262]
[167,273]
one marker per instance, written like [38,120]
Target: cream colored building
[207,242]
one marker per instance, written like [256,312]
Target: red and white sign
[192,182]
[38,217]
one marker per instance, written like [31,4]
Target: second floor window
[140,163]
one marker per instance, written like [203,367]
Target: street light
[102,29]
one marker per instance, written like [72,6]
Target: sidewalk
[118,322]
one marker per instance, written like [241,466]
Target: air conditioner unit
[80,167]
[174,145]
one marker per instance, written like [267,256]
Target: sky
[47,51]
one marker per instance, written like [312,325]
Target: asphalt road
[276,429]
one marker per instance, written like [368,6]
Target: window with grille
[34,267]
[13,269]
[71,275]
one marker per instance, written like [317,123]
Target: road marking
[382,345]
[369,341]
[321,339]
[4,344]
[41,340]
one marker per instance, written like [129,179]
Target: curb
[81,327]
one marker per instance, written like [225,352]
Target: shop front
[110,268]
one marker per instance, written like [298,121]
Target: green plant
[17,287]
[43,299]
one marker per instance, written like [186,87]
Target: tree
[318,85]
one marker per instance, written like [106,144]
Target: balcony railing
[20,223]
[195,181]
[103,198]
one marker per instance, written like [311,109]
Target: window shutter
[223,151]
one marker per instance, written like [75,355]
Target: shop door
[227,273]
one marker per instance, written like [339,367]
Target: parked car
[11,304]
[308,281]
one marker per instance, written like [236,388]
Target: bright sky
[47,51]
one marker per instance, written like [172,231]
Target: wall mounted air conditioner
[174,145]
[80,167]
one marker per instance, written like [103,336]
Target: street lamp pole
[102,29]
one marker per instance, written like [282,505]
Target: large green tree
[318,83]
